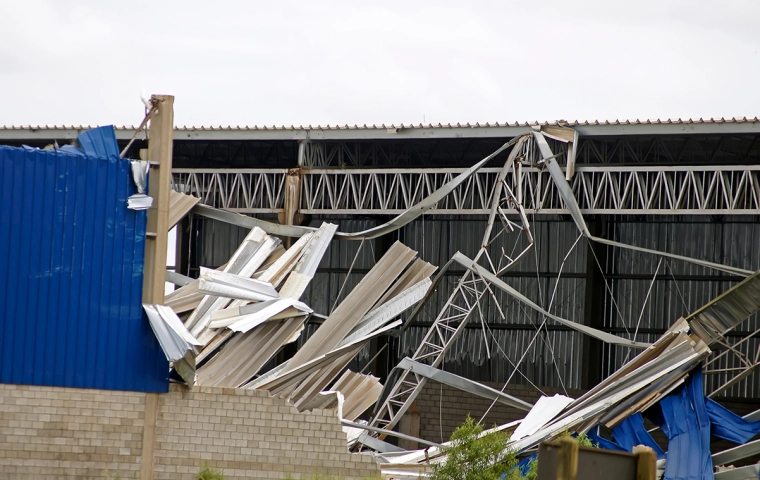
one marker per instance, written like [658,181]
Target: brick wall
[75,433]
[444,408]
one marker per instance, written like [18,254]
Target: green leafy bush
[474,456]
[208,473]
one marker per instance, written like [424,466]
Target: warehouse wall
[48,432]
[71,274]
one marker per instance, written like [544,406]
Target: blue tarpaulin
[631,432]
[687,426]
[597,439]
[687,418]
[728,425]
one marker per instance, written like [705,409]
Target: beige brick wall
[444,408]
[51,433]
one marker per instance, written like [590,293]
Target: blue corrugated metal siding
[71,272]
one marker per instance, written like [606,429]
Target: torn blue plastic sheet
[687,427]
[602,442]
[631,432]
[728,425]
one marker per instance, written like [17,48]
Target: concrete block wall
[51,433]
[444,408]
[250,435]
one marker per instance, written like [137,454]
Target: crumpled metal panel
[728,310]
[71,272]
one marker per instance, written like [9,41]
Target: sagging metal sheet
[464,384]
[284,378]
[566,193]
[249,256]
[356,304]
[399,221]
[351,394]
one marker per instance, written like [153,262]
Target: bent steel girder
[451,320]
[446,328]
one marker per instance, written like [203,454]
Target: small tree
[473,455]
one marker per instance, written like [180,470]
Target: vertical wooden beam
[161,136]
[567,465]
[410,425]
[291,202]
[646,463]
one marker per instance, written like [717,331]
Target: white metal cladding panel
[616,356]
[356,364]
[332,280]
[216,241]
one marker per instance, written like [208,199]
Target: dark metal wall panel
[553,357]
[71,272]
[556,358]
[680,287]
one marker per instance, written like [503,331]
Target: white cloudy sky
[278,62]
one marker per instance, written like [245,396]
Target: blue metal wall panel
[71,272]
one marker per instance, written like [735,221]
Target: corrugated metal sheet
[557,357]
[727,240]
[569,123]
[71,272]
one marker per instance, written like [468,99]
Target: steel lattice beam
[643,190]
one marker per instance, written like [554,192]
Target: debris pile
[231,322]
[225,327]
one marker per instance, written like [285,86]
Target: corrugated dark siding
[71,272]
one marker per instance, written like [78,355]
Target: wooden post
[646,463]
[567,466]
[292,202]
[160,142]
[410,425]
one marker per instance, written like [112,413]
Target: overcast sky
[309,62]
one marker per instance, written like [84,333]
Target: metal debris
[245,312]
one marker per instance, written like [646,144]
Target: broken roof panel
[179,206]
[728,310]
